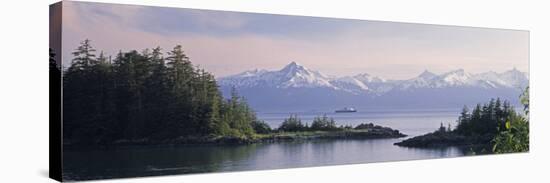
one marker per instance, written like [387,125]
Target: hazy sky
[226,43]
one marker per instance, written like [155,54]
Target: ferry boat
[346,109]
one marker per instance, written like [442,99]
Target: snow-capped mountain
[425,79]
[295,84]
[250,73]
[459,78]
[295,75]
[453,79]
[350,84]
[367,78]
[515,78]
[292,75]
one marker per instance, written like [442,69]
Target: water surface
[147,161]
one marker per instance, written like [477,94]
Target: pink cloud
[350,52]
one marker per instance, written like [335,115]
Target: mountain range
[295,87]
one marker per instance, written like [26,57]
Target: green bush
[261,127]
[514,137]
[323,123]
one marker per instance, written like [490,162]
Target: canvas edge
[55,89]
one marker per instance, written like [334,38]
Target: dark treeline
[495,124]
[146,95]
[505,129]
[484,119]
[320,123]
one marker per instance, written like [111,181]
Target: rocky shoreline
[444,139]
[335,135]
[366,131]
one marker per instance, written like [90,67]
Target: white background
[24,90]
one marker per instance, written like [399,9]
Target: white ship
[346,109]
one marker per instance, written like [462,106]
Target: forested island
[147,97]
[495,127]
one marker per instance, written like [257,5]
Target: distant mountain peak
[427,74]
[293,64]
[293,67]
[514,70]
[455,78]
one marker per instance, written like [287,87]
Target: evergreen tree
[181,75]
[463,120]
[292,124]
[323,123]
[53,66]
[157,95]
[84,56]
[142,96]
[80,113]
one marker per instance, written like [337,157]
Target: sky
[226,43]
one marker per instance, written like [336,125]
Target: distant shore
[344,134]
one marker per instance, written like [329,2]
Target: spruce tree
[84,55]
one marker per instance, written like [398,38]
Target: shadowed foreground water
[148,161]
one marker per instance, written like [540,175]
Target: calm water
[135,161]
[410,122]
